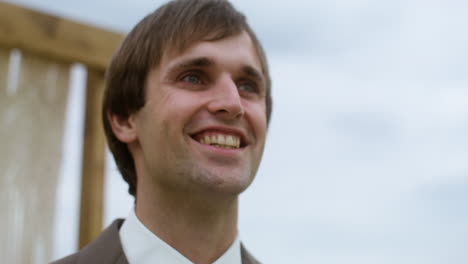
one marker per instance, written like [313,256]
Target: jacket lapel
[105,249]
[108,249]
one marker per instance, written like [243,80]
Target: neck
[201,228]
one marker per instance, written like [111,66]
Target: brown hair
[175,25]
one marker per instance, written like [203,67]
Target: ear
[124,128]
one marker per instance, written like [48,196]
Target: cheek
[258,120]
[178,108]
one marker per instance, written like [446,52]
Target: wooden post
[92,184]
[67,41]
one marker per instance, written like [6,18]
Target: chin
[227,182]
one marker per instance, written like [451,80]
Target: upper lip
[226,130]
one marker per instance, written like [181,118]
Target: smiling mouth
[220,140]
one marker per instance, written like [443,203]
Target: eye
[191,78]
[248,87]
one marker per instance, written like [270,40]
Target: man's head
[161,38]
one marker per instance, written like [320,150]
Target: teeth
[230,141]
[222,141]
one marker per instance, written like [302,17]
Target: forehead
[233,51]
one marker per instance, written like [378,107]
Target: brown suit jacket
[106,249]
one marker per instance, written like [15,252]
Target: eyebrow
[252,72]
[202,62]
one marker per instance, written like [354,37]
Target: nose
[226,102]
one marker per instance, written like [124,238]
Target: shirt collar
[141,246]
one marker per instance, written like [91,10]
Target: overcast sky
[367,153]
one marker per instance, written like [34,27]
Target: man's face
[203,125]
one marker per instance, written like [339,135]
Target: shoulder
[247,258]
[67,260]
[105,249]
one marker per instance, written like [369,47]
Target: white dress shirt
[141,246]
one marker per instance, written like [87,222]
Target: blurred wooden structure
[48,45]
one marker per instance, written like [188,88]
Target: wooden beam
[55,37]
[92,178]
[4,65]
